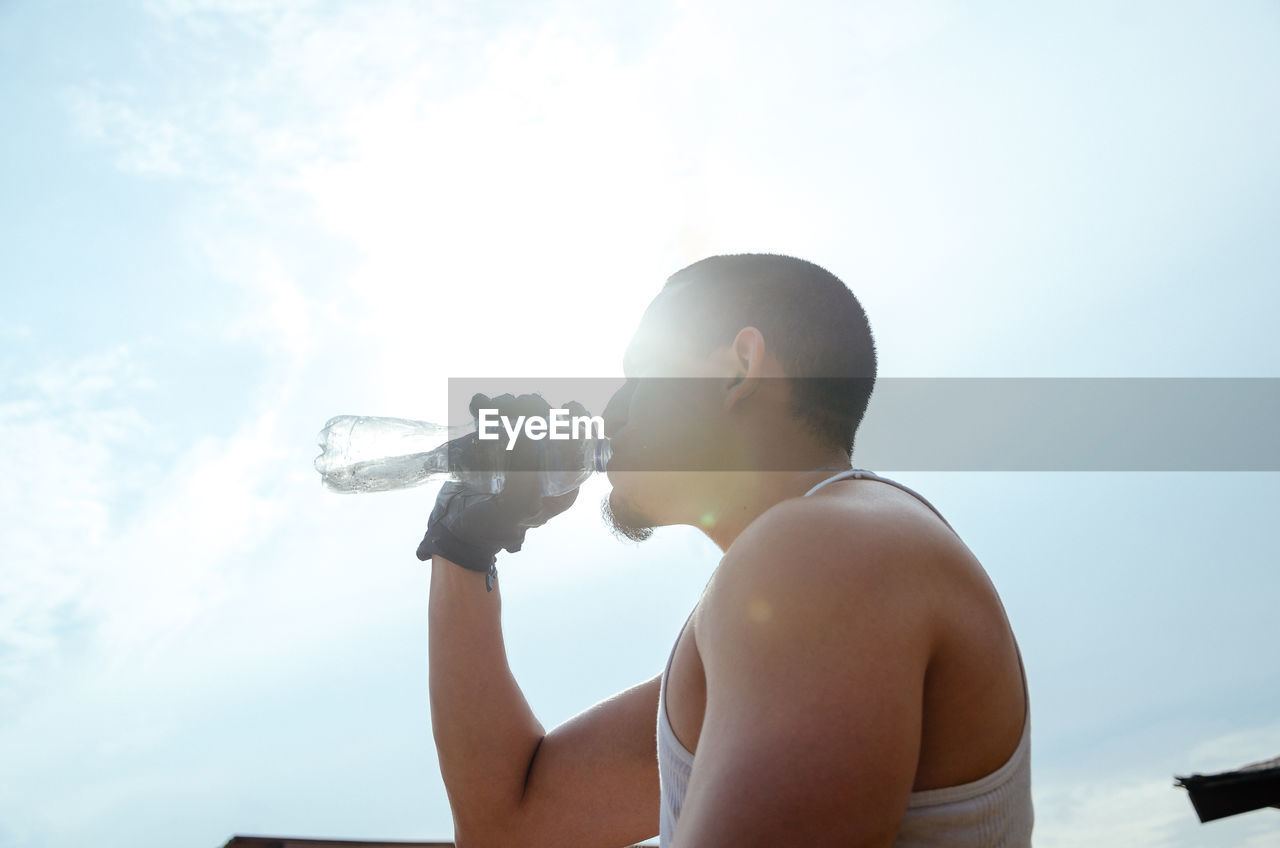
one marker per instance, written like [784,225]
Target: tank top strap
[864,474]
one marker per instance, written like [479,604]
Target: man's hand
[469,526]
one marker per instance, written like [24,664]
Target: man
[848,676]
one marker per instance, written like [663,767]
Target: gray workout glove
[469,527]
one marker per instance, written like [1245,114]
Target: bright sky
[224,222]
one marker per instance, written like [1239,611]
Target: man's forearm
[485,733]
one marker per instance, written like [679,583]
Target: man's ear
[748,357]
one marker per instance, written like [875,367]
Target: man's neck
[746,495]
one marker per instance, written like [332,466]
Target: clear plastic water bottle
[372,454]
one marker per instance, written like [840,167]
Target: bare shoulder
[816,635]
[850,544]
[833,574]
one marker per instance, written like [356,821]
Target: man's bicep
[782,778]
[594,779]
[811,733]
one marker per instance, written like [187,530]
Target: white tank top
[994,811]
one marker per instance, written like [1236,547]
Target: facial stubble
[625,522]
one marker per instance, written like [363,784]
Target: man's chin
[624,520]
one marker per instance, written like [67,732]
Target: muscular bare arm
[815,661]
[593,781]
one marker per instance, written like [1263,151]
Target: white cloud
[1233,750]
[1109,812]
[15,332]
[241,8]
[112,540]
[60,426]
[176,558]
[1105,807]
[528,158]
[144,144]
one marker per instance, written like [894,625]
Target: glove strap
[439,540]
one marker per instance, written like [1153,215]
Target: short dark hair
[810,319]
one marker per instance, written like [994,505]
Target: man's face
[662,423]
